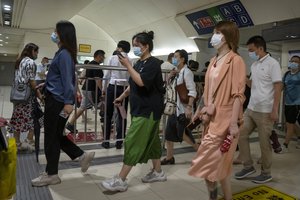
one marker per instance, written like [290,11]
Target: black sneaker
[168,162]
[105,145]
[118,145]
[244,173]
[260,179]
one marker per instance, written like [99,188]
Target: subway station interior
[177,24]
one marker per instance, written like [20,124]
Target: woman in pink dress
[223,98]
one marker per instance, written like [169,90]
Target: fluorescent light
[7,7]
[6,37]
[1,45]
[0,33]
[1,40]
[7,22]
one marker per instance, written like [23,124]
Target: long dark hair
[27,52]
[67,37]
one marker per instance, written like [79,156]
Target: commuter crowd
[215,101]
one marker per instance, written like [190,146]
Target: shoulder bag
[20,92]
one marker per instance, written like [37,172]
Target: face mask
[216,40]
[54,38]
[253,55]
[137,51]
[175,62]
[293,65]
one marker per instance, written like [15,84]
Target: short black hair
[258,41]
[124,45]
[183,54]
[99,52]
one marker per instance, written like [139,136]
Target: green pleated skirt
[142,141]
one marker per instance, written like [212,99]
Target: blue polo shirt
[292,88]
[60,81]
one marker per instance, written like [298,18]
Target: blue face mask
[137,51]
[54,38]
[293,65]
[253,55]
[175,62]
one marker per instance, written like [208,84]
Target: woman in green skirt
[145,93]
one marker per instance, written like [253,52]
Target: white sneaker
[154,176]
[44,179]
[86,160]
[25,146]
[284,149]
[115,184]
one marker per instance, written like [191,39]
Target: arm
[277,95]
[233,127]
[125,94]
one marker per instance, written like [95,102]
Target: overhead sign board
[204,21]
[85,48]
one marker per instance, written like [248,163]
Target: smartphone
[118,53]
[191,126]
[63,114]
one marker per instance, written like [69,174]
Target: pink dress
[230,78]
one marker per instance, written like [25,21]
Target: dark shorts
[291,113]
[176,127]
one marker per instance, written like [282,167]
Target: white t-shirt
[116,76]
[40,69]
[264,73]
[190,85]
[167,65]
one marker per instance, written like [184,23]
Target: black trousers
[54,139]
[120,123]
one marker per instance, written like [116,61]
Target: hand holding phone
[119,54]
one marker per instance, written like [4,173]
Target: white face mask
[216,40]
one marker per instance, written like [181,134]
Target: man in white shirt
[115,82]
[262,110]
[41,69]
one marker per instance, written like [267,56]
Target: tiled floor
[179,186]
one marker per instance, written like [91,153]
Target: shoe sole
[113,189]
[157,180]
[245,175]
[45,184]
[261,182]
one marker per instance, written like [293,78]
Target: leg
[53,131]
[226,187]
[290,130]
[109,111]
[212,190]
[30,135]
[189,141]
[125,171]
[170,149]
[264,126]
[244,145]
[156,165]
